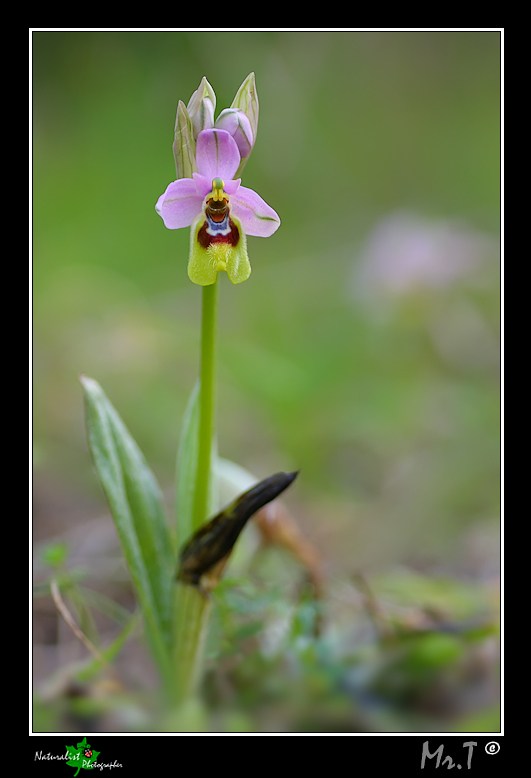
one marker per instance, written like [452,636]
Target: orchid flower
[220,212]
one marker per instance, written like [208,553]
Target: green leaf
[137,509]
[186,470]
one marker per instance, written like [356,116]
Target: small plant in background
[174,568]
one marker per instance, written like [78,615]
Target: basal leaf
[137,509]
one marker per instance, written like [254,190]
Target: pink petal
[180,204]
[217,155]
[203,185]
[231,187]
[256,216]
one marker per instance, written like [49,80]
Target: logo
[82,757]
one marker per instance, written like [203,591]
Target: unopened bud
[246,100]
[184,144]
[201,107]
[238,125]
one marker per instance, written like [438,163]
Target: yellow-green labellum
[217,242]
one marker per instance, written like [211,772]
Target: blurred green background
[364,348]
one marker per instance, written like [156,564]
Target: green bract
[201,107]
[246,100]
[184,144]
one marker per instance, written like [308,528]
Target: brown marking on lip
[206,239]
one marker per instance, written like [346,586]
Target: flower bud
[238,125]
[184,144]
[246,103]
[246,100]
[201,107]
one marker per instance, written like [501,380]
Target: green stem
[207,406]
[192,607]
[193,612]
